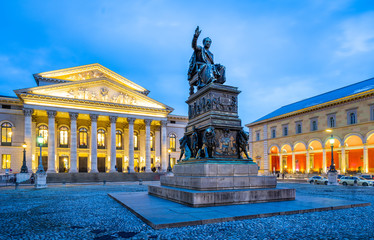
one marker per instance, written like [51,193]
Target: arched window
[63,137]
[332,122]
[152,140]
[101,139]
[83,137]
[43,131]
[352,117]
[6,134]
[172,139]
[119,139]
[136,138]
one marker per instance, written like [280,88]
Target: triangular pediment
[86,72]
[95,90]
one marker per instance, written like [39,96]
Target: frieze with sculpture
[101,95]
[213,101]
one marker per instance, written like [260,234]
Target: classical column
[28,137]
[342,162]
[73,142]
[131,144]
[94,143]
[164,147]
[307,161]
[324,165]
[148,145]
[293,162]
[51,142]
[281,162]
[366,159]
[113,155]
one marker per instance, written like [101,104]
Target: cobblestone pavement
[87,212]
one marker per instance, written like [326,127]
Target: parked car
[368,177]
[339,177]
[318,180]
[347,180]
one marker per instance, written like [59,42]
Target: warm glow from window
[63,136]
[6,133]
[172,142]
[118,139]
[43,131]
[6,161]
[83,137]
[101,138]
[152,141]
[136,140]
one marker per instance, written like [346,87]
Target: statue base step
[195,198]
[219,182]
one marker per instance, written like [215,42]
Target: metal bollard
[16,186]
[104,182]
[140,182]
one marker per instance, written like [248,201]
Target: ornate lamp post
[24,168]
[169,170]
[332,166]
[40,166]
[332,174]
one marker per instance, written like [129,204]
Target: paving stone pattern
[87,212]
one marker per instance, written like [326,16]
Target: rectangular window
[351,116]
[331,120]
[313,124]
[372,112]
[299,127]
[285,130]
[257,135]
[273,132]
[5,161]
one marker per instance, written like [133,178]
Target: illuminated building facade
[91,120]
[293,138]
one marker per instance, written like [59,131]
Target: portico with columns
[94,120]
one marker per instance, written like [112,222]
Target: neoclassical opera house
[91,119]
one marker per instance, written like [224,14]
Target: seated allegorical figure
[202,63]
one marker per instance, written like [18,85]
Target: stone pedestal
[40,180]
[202,183]
[23,177]
[332,178]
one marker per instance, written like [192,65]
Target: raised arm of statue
[195,37]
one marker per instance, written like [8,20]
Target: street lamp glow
[332,140]
[24,145]
[169,150]
[40,139]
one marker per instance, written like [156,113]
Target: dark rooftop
[322,98]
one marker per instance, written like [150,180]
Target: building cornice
[345,100]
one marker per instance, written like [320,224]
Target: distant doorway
[101,164]
[119,164]
[63,166]
[82,164]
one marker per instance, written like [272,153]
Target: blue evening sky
[276,52]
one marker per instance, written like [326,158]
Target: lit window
[152,142]
[83,137]
[6,161]
[172,139]
[6,134]
[43,131]
[118,139]
[63,137]
[101,139]
[136,145]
